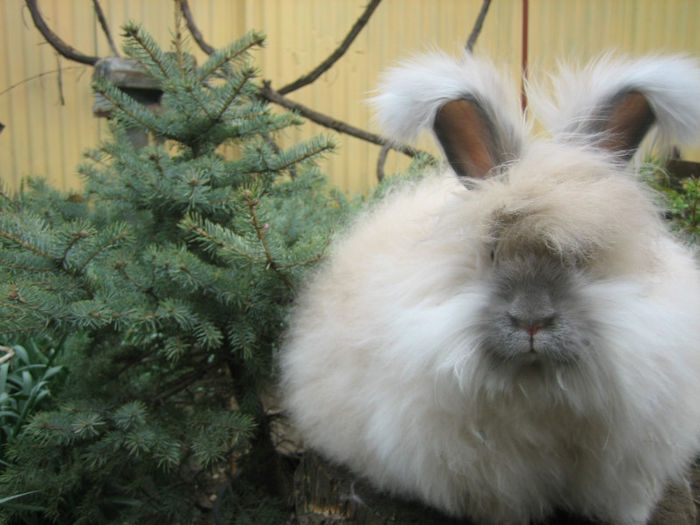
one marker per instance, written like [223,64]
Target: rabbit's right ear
[613,102]
[474,114]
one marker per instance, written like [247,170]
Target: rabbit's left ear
[613,103]
[465,133]
[626,124]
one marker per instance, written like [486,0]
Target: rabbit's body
[498,352]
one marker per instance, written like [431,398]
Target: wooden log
[328,494]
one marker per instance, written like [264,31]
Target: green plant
[24,384]
[171,273]
[681,197]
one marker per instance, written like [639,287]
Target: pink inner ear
[464,134]
[629,120]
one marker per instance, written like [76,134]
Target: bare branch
[52,38]
[9,353]
[478,24]
[103,23]
[381,160]
[194,30]
[59,80]
[34,77]
[273,96]
[333,57]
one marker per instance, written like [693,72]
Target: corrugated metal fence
[45,101]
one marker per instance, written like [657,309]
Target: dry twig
[478,24]
[273,96]
[105,27]
[335,55]
[194,30]
[9,354]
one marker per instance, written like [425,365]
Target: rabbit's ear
[626,124]
[463,131]
[613,103]
[474,113]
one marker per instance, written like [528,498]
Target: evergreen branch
[5,196]
[220,57]
[155,157]
[101,248]
[260,232]
[247,75]
[262,127]
[13,296]
[26,245]
[193,228]
[312,260]
[183,382]
[161,171]
[24,267]
[133,32]
[306,156]
[120,266]
[165,193]
[16,296]
[23,329]
[201,104]
[209,287]
[335,55]
[119,105]
[74,240]
[273,145]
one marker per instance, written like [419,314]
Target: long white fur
[671,84]
[381,365]
[426,82]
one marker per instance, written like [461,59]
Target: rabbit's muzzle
[535,313]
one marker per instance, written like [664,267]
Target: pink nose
[532,329]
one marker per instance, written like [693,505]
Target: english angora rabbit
[520,334]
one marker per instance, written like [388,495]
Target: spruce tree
[166,281]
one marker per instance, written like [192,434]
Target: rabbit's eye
[493,254]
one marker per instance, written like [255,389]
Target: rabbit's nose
[531,313]
[532,329]
[532,323]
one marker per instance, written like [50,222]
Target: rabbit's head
[553,215]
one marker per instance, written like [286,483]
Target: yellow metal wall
[49,121]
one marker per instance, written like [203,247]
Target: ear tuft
[413,94]
[613,102]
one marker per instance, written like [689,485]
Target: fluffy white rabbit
[521,333]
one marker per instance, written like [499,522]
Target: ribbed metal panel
[49,124]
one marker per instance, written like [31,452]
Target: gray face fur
[534,316]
